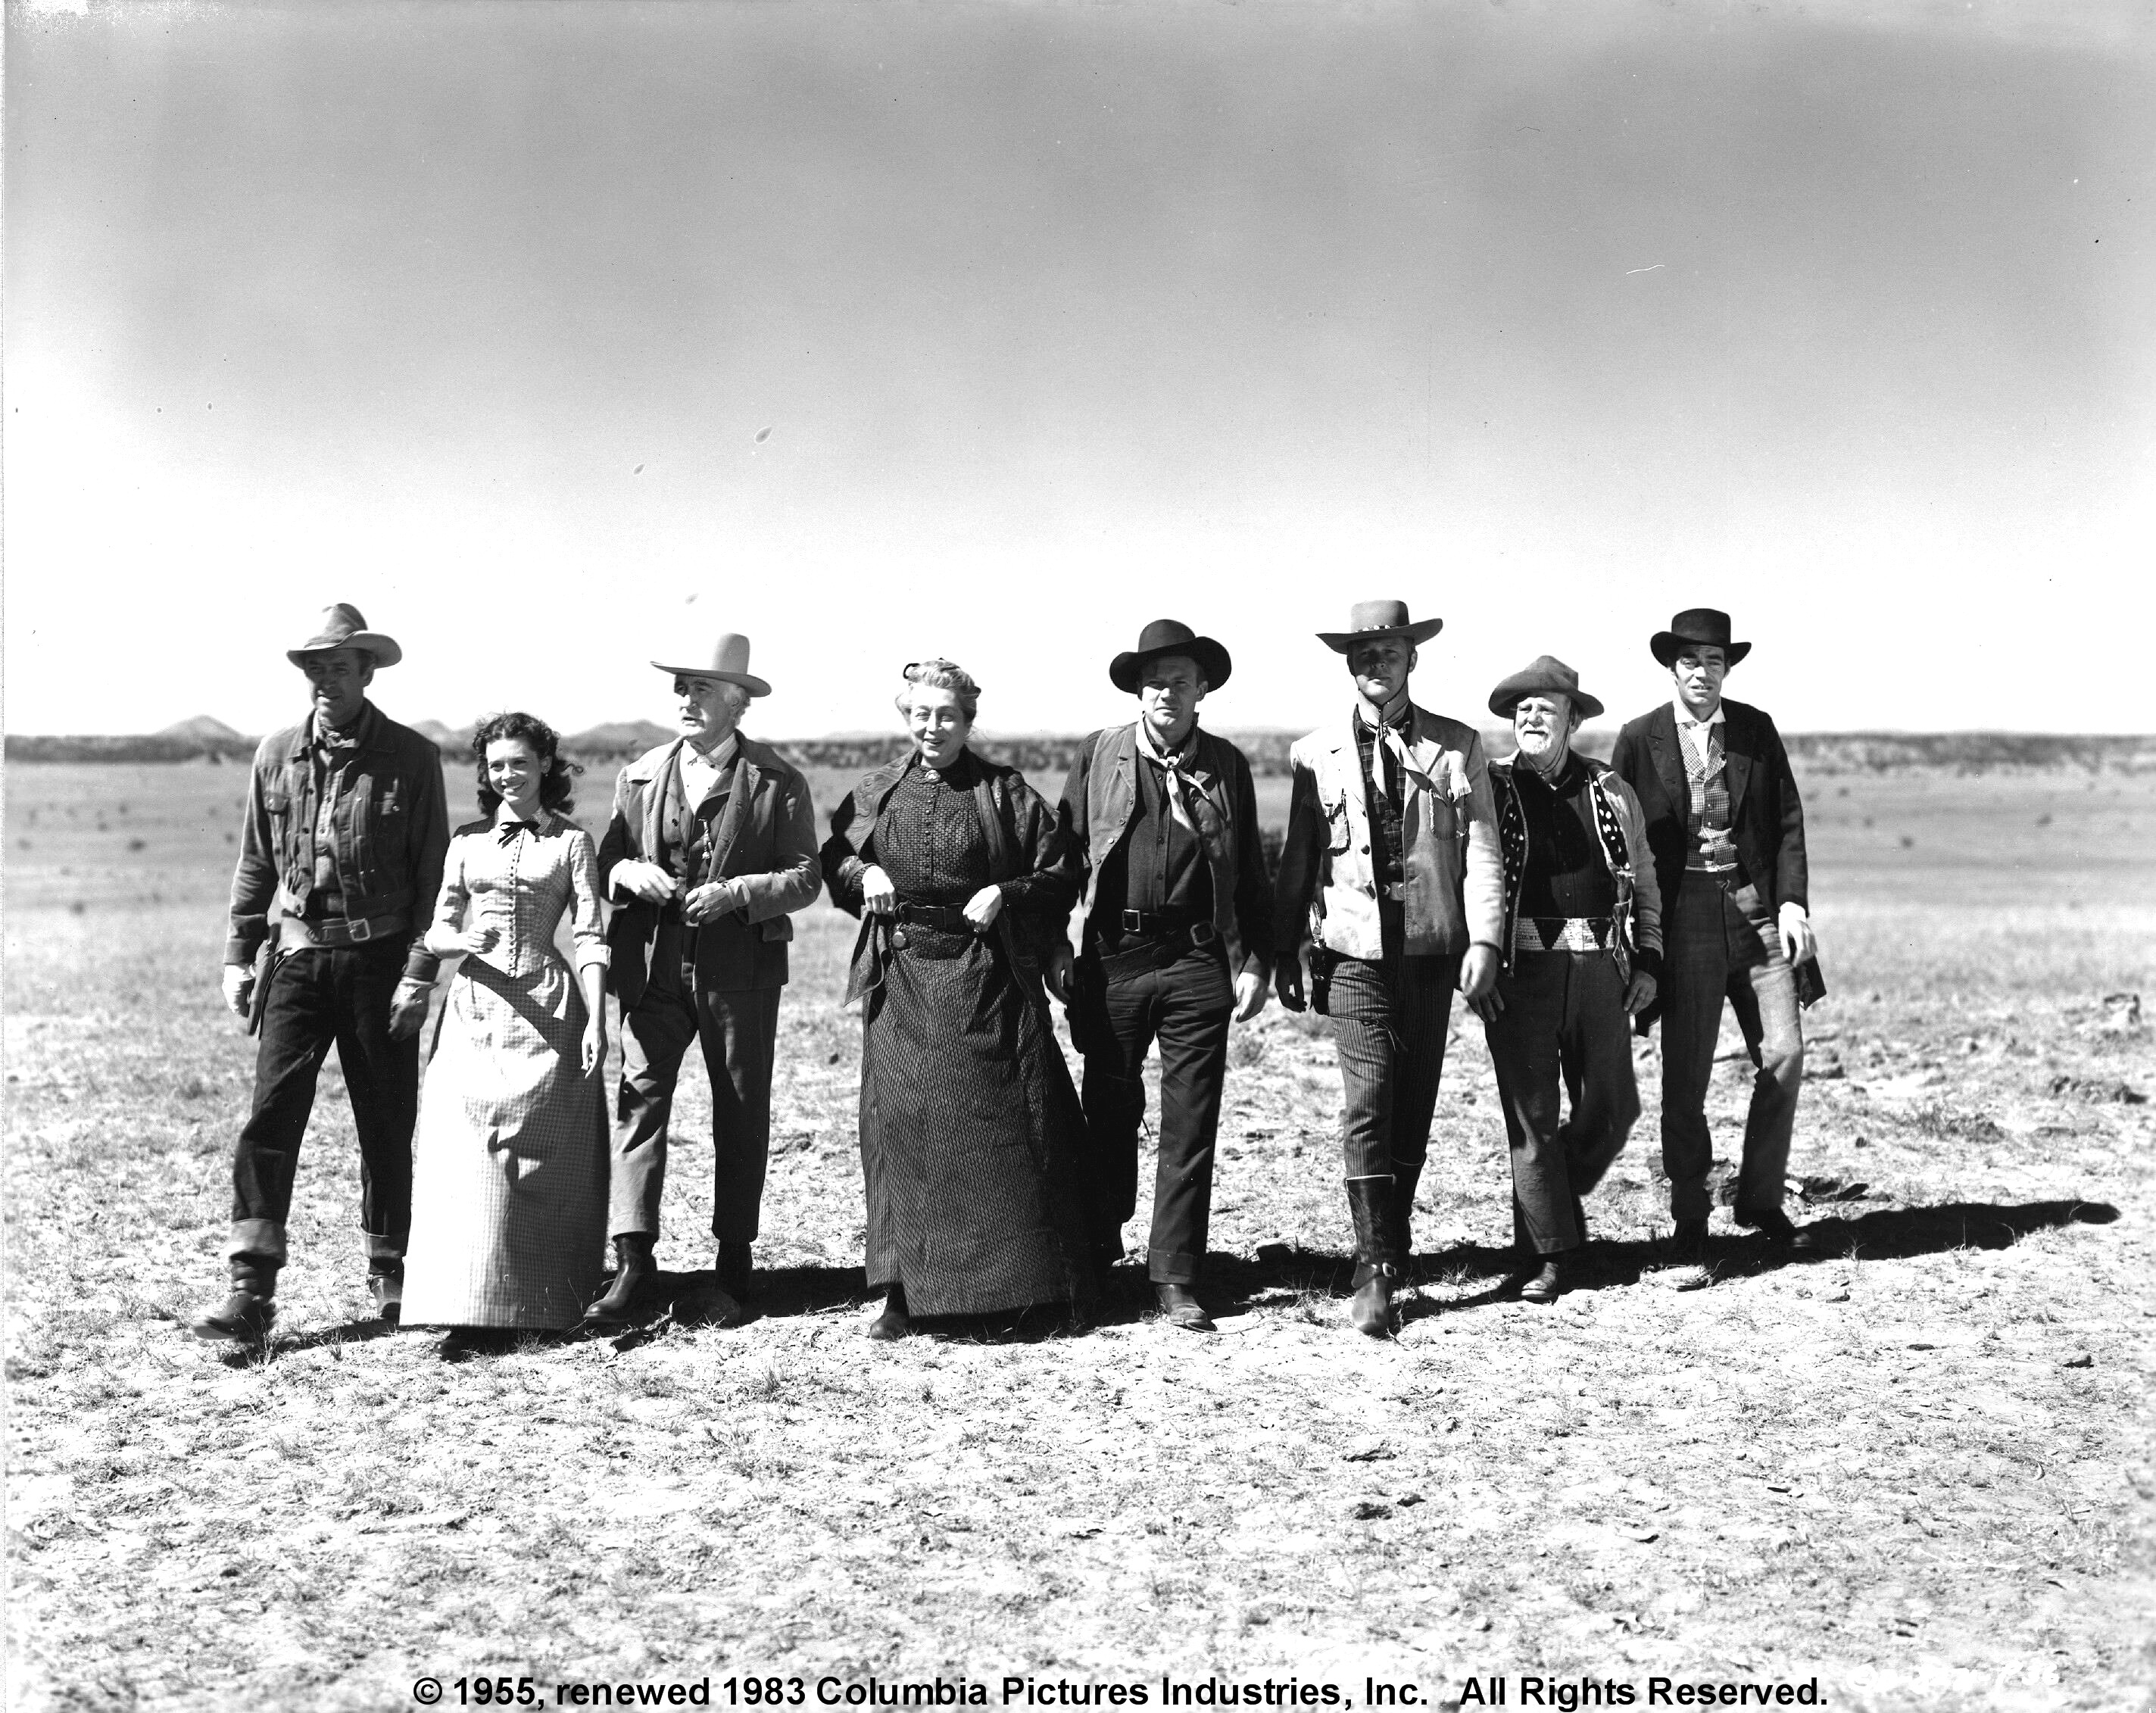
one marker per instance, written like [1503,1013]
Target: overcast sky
[560,336]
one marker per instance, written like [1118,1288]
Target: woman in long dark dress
[971,1130]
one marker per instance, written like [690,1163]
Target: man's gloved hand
[407,1010]
[239,986]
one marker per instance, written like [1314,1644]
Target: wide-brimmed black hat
[1548,676]
[1166,636]
[1368,620]
[1698,625]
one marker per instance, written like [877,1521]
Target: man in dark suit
[1727,833]
[711,846]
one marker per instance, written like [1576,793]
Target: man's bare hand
[239,986]
[1798,944]
[1061,974]
[1250,995]
[407,1010]
[1639,994]
[645,881]
[715,898]
[1287,982]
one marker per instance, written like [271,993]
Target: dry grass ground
[1917,1468]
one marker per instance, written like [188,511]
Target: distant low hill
[206,739]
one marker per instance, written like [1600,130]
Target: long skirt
[509,1199]
[971,1134]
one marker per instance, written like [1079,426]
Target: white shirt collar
[1687,717]
[719,759]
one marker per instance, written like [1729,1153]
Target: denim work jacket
[1454,893]
[389,828]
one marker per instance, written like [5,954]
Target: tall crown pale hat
[341,626]
[728,664]
[1698,625]
[1369,620]
[1166,636]
[1546,676]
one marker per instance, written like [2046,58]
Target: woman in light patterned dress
[509,1171]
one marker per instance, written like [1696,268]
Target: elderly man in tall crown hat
[711,846]
[1583,948]
[1390,879]
[1727,830]
[1175,937]
[341,843]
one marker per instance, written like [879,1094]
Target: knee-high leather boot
[1377,1262]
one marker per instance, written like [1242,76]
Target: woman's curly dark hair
[555,787]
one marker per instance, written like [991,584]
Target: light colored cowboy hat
[1165,636]
[1547,676]
[1698,625]
[343,627]
[729,664]
[1368,620]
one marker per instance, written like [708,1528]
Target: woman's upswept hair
[555,786]
[940,674]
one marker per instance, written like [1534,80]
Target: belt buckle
[1134,921]
[359,932]
[1204,933]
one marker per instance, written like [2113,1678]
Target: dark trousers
[1389,1022]
[1186,1007]
[1563,1022]
[739,1032]
[318,996]
[1724,943]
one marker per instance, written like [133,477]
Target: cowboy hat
[1368,620]
[1165,636]
[342,627]
[1700,626]
[1547,676]
[729,664]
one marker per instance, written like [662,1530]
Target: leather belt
[335,933]
[948,917]
[1159,951]
[1147,923]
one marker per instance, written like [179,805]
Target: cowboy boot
[385,1284]
[246,1315]
[1406,1176]
[636,1272]
[1377,1265]
[736,1270]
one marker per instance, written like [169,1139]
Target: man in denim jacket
[1390,878]
[339,861]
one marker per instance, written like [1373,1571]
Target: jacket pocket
[776,928]
[1337,830]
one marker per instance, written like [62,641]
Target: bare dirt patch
[1918,1466]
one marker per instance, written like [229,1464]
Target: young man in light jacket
[1582,953]
[1391,886]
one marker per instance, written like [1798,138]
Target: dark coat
[1766,815]
[765,838]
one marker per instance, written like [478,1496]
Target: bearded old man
[711,846]
[341,848]
[1582,949]
[1390,882]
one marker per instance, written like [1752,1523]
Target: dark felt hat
[1368,620]
[1698,625]
[341,626]
[1165,636]
[1548,676]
